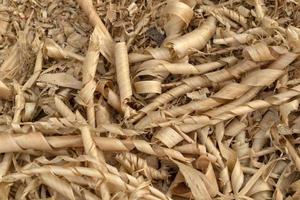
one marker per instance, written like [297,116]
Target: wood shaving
[150,100]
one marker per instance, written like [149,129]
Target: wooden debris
[150,100]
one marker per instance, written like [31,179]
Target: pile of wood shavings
[149,99]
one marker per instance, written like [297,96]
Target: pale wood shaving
[150,100]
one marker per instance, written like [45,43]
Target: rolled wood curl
[196,39]
[233,16]
[37,141]
[179,15]
[112,177]
[134,163]
[150,53]
[190,84]
[185,68]
[190,122]
[251,83]
[229,92]
[277,99]
[160,69]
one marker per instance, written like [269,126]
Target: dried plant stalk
[91,149]
[225,180]
[261,137]
[12,63]
[191,123]
[5,164]
[259,9]
[237,177]
[145,87]
[20,104]
[60,79]
[228,92]
[293,35]
[112,97]
[53,125]
[200,189]
[282,62]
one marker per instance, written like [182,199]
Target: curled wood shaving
[259,52]
[53,50]
[135,164]
[107,46]
[179,14]
[88,73]
[186,68]
[122,69]
[190,123]
[5,91]
[230,14]
[59,185]
[183,44]
[198,187]
[17,144]
[228,92]
[60,79]
[177,99]
[198,81]
[168,136]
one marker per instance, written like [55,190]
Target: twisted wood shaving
[189,122]
[179,14]
[196,39]
[88,73]
[53,50]
[228,92]
[233,15]
[107,46]
[177,99]
[111,178]
[198,81]
[186,68]
[243,109]
[20,143]
[135,164]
